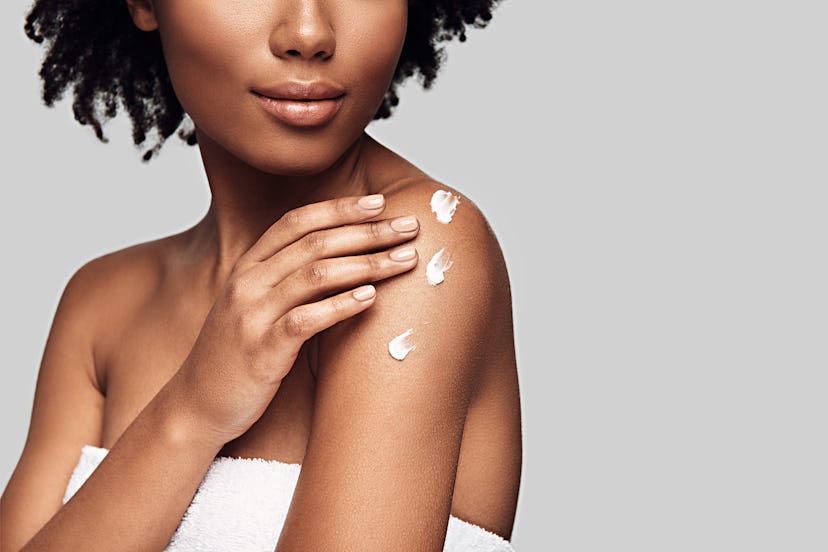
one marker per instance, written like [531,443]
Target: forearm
[136,497]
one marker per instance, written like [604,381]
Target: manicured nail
[403,254]
[364,293]
[372,202]
[404,224]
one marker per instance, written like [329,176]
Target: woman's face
[287,86]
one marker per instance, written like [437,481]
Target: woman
[335,307]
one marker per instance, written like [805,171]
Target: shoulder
[453,226]
[132,264]
[103,289]
[136,267]
[456,296]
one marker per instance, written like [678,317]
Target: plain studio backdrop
[656,174]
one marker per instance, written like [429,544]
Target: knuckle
[242,265]
[297,323]
[293,219]
[374,230]
[240,288]
[316,274]
[316,243]
[374,263]
[338,304]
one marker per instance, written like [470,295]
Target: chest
[139,355]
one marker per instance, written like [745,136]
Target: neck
[246,201]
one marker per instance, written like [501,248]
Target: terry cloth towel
[242,503]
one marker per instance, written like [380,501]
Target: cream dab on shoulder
[400,346]
[437,267]
[443,204]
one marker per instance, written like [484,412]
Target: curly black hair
[94,46]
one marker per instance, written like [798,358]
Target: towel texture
[242,503]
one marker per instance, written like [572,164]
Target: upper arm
[382,457]
[66,414]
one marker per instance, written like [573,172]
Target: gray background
[656,173]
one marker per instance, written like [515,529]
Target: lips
[301,104]
[296,90]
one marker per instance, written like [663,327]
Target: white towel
[242,503]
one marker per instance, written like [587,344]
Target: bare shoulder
[132,263]
[103,280]
[452,222]
[108,287]
[458,296]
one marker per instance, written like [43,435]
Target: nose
[303,30]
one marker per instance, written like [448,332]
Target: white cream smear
[444,204]
[401,345]
[437,266]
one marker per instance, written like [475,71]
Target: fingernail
[403,254]
[364,293]
[372,202]
[404,224]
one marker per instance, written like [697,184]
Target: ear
[143,14]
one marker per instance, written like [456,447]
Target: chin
[283,153]
[294,163]
[306,155]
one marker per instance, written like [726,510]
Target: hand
[278,296]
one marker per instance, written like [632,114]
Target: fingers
[304,321]
[317,216]
[320,278]
[337,242]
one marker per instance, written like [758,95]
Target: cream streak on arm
[400,346]
[443,204]
[437,266]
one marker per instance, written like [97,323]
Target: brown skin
[138,359]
